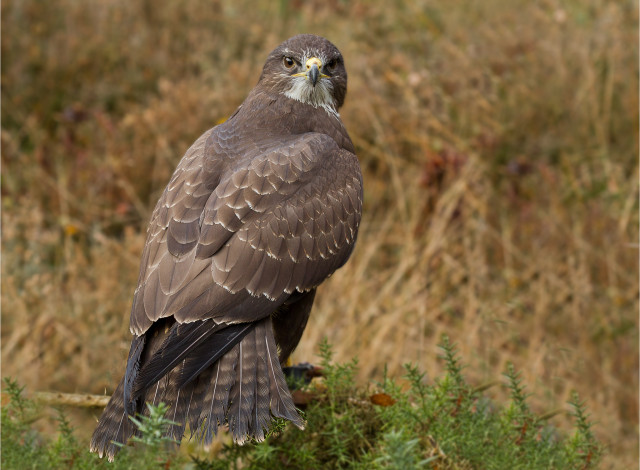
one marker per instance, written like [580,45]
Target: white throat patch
[320,95]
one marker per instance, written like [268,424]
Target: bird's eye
[288,62]
[331,65]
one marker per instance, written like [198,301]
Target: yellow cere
[310,62]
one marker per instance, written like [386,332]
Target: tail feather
[243,393]
[203,356]
[133,366]
[261,413]
[196,407]
[281,402]
[248,389]
[244,388]
[177,399]
[114,425]
[207,421]
[156,394]
[218,394]
[177,344]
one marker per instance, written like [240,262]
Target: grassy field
[499,146]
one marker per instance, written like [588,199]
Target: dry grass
[499,144]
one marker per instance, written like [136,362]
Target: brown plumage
[260,211]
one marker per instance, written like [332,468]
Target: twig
[72,399]
[84,400]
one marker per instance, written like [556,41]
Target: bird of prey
[260,210]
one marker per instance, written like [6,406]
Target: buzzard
[260,210]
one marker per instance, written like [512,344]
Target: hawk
[260,210]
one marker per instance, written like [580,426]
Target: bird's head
[309,69]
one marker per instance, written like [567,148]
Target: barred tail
[114,425]
[245,388]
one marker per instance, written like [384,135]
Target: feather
[182,339]
[133,365]
[244,390]
[247,388]
[114,426]
[219,402]
[177,399]
[211,350]
[281,403]
[197,400]
[261,414]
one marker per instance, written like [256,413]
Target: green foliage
[446,424]
[156,446]
[399,452]
[583,447]
[20,443]
[153,427]
[23,447]
[64,450]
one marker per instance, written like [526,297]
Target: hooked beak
[313,66]
[314,74]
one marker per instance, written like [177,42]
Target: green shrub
[24,448]
[447,424]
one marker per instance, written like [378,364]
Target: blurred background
[499,146]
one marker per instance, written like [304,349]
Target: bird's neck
[275,114]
